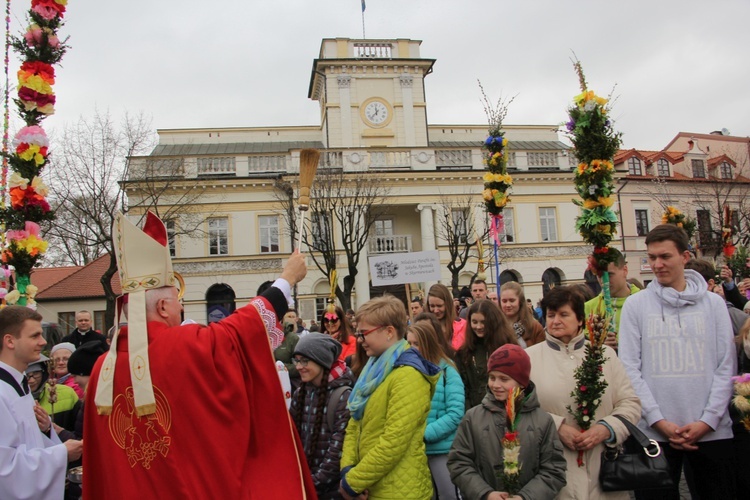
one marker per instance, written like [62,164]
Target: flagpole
[363,19]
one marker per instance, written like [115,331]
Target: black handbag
[637,464]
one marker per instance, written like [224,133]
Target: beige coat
[552,366]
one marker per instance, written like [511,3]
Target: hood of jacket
[430,371]
[695,289]
[530,401]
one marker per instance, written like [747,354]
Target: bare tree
[89,162]
[343,209]
[96,163]
[457,225]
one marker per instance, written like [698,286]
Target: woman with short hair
[553,363]
[384,451]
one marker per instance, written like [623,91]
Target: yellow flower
[582,168]
[590,204]
[31,291]
[487,195]
[505,141]
[508,179]
[488,177]
[664,219]
[607,202]
[604,228]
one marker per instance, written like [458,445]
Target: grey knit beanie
[319,347]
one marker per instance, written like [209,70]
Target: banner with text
[402,268]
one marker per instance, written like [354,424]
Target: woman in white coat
[552,365]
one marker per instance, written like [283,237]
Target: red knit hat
[513,361]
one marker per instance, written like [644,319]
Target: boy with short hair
[477,450]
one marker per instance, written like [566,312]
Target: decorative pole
[40,48]
[497,182]
[596,143]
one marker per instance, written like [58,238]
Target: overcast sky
[679,65]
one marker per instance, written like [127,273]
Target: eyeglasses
[360,334]
[300,361]
[334,320]
[34,375]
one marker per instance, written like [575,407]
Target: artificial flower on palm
[741,400]
[590,383]
[596,142]
[511,472]
[672,215]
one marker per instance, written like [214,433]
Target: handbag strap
[635,432]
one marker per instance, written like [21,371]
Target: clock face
[376,112]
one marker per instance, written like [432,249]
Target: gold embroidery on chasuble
[146,438]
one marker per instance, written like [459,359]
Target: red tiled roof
[45,277]
[717,160]
[83,283]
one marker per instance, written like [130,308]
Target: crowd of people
[393,401]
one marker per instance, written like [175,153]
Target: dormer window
[726,170]
[634,166]
[662,168]
[699,169]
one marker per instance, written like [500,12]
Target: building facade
[374,126]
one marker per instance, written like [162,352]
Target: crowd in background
[397,403]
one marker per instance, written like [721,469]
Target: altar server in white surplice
[32,463]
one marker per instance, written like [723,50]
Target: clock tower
[371,93]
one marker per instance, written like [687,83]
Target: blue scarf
[373,374]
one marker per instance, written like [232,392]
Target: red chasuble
[221,429]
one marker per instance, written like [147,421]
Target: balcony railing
[390,244]
[373,50]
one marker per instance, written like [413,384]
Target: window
[726,170]
[699,168]
[218,236]
[662,168]
[705,233]
[459,219]
[321,231]
[512,159]
[384,227]
[320,306]
[508,234]
[634,166]
[67,321]
[269,233]
[548,223]
[171,237]
[641,222]
[99,321]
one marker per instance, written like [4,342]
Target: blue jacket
[446,411]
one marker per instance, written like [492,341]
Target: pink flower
[15,235]
[33,35]
[32,228]
[583,388]
[46,13]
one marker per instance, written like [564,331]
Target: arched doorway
[219,302]
[550,279]
[509,275]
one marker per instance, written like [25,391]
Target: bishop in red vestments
[216,424]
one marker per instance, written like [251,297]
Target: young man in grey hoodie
[677,347]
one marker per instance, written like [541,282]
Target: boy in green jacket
[476,457]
